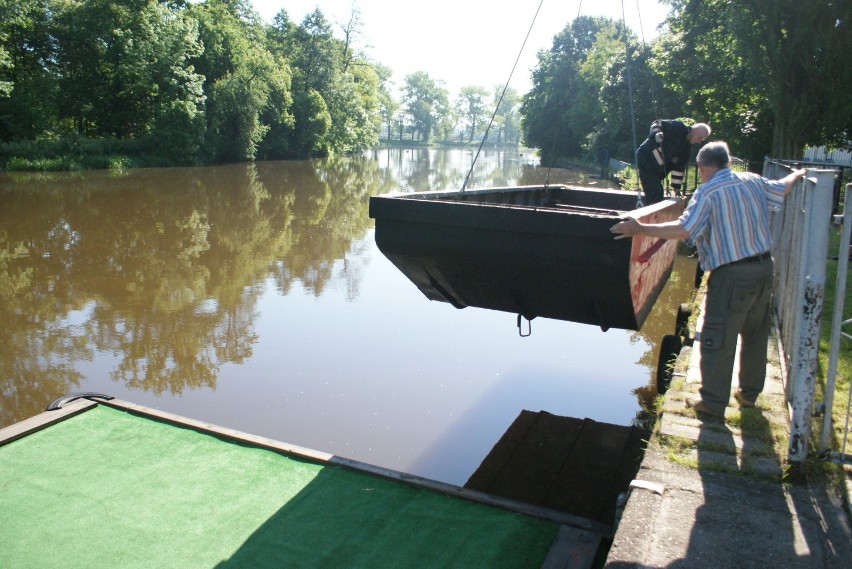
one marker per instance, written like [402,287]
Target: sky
[465,42]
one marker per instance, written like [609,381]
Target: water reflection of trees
[163,268]
[420,168]
[159,271]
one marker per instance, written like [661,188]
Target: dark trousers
[737,306]
[651,174]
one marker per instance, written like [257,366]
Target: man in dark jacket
[666,150]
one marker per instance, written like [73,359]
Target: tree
[701,59]
[771,76]
[6,85]
[125,67]
[507,119]
[425,101]
[630,96]
[247,87]
[366,119]
[28,86]
[388,105]
[351,30]
[470,106]
[175,103]
[311,130]
[85,41]
[316,62]
[803,47]
[331,69]
[558,89]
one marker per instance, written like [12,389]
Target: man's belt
[759,258]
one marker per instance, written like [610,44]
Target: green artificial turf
[109,488]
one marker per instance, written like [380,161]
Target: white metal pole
[818,204]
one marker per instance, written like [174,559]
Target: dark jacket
[669,148]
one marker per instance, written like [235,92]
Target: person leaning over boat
[665,151]
[727,219]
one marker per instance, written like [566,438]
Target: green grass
[69,163]
[74,153]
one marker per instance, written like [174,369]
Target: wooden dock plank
[43,420]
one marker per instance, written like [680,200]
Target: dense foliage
[105,83]
[180,82]
[770,76]
[580,102]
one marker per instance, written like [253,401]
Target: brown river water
[253,296]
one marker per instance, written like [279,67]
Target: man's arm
[629,227]
[790,179]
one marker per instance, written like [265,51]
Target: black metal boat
[530,250]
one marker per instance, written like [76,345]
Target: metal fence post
[818,200]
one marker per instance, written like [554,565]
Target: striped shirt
[728,217]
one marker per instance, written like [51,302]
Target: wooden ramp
[577,466]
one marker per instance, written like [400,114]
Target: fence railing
[839,156]
[800,249]
[837,334]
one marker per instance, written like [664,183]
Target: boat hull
[535,251]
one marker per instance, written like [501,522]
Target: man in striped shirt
[727,219]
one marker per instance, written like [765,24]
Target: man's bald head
[699,132]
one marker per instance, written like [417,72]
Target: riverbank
[717,493]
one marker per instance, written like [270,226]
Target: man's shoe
[742,400]
[701,408]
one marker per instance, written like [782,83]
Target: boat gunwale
[439,194]
[382,206]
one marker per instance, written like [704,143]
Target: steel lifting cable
[642,34]
[630,103]
[651,79]
[556,133]
[500,100]
[629,94]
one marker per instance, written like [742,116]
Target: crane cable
[629,93]
[644,45]
[639,202]
[500,100]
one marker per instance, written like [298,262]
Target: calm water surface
[254,297]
